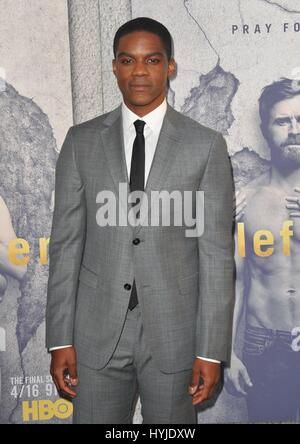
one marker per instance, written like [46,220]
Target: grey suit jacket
[185,285]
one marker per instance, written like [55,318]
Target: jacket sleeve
[216,257]
[65,247]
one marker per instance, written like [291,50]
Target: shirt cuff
[60,346]
[209,359]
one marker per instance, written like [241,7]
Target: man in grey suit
[135,308]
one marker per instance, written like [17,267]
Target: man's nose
[140,69]
[294,127]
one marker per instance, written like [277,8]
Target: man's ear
[114,66]
[171,67]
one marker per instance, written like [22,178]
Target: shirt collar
[153,119]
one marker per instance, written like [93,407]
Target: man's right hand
[239,205]
[64,370]
[237,376]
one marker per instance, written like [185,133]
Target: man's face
[283,131]
[142,68]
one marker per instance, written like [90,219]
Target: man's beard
[289,151]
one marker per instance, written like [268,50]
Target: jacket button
[136,241]
[127,287]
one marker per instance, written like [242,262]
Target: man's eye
[153,60]
[125,61]
[281,122]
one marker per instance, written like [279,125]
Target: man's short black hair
[145,24]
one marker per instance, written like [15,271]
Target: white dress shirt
[154,121]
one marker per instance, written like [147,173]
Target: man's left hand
[205,378]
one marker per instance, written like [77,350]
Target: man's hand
[237,377]
[239,205]
[205,377]
[293,204]
[63,370]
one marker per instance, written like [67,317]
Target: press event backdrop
[55,71]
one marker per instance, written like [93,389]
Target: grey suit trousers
[108,395]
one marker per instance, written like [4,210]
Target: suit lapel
[168,145]
[113,145]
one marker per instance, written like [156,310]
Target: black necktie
[137,178]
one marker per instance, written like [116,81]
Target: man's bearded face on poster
[283,131]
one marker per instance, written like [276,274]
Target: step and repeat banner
[238,71]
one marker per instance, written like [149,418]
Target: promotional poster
[238,72]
